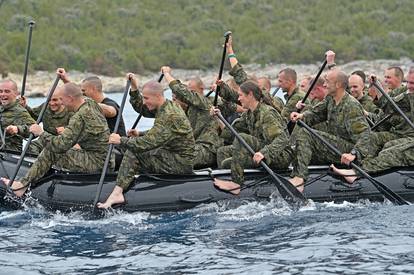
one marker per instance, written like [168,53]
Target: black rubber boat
[60,190]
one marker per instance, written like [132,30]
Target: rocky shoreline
[39,83]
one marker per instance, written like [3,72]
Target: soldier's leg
[35,147]
[224,154]
[205,157]
[307,146]
[241,158]
[40,167]
[396,153]
[76,160]
[161,161]
[377,140]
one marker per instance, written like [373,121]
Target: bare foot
[18,186]
[348,174]
[116,197]
[226,185]
[298,183]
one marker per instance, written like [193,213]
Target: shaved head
[153,87]
[95,82]
[72,90]
[11,84]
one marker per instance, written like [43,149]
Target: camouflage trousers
[157,161]
[395,153]
[237,158]
[377,141]
[205,155]
[310,148]
[35,147]
[74,160]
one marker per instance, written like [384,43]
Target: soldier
[393,78]
[395,147]
[55,118]
[87,127]
[357,87]
[263,128]
[240,76]
[92,88]
[304,83]
[14,118]
[197,109]
[347,128]
[167,148]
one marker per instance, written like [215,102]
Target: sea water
[264,237]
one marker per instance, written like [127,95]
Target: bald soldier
[14,118]
[167,148]
[357,88]
[87,127]
[347,128]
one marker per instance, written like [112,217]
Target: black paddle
[378,87]
[26,62]
[111,146]
[290,124]
[31,136]
[140,115]
[223,57]
[286,189]
[383,189]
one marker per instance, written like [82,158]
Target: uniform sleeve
[65,141]
[317,113]
[228,94]
[188,97]
[35,111]
[238,73]
[359,130]
[290,105]
[23,123]
[137,102]
[157,136]
[274,133]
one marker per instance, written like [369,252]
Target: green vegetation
[110,37]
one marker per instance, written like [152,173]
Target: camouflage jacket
[87,127]
[345,120]
[205,128]
[382,101]
[399,126]
[171,131]
[51,120]
[240,76]
[291,101]
[15,114]
[368,104]
[267,125]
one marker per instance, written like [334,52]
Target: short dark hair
[290,74]
[95,81]
[398,72]
[361,74]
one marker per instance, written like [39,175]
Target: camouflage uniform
[88,128]
[240,76]
[15,114]
[264,130]
[395,153]
[368,104]
[291,101]
[347,129]
[167,148]
[51,121]
[382,102]
[205,128]
[391,144]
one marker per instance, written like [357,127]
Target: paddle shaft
[111,146]
[223,57]
[395,106]
[291,125]
[313,83]
[288,191]
[140,115]
[384,190]
[31,136]
[26,62]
